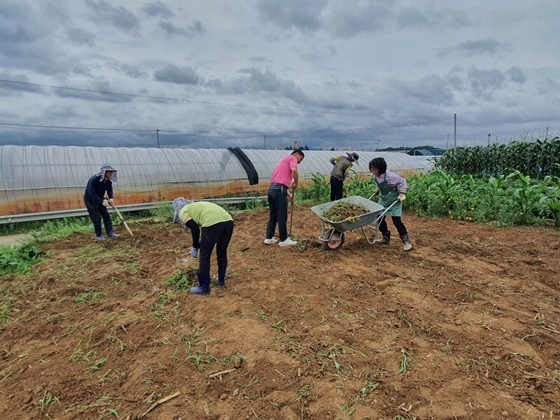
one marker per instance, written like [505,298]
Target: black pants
[218,236]
[278,209]
[336,188]
[97,212]
[398,224]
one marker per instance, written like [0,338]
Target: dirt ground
[465,326]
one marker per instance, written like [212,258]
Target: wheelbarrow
[332,233]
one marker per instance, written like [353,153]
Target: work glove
[105,203]
[110,201]
[194,252]
[401,197]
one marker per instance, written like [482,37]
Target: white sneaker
[287,242]
[270,241]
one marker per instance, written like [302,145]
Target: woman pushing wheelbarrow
[390,188]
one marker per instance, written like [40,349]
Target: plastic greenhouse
[42,182]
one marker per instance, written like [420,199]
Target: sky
[269,74]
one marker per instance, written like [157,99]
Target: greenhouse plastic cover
[53,178]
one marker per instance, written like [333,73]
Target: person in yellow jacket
[216,228]
[342,165]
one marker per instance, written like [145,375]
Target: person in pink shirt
[284,176]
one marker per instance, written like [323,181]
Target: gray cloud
[118,17]
[135,72]
[304,15]
[348,19]
[363,17]
[14,19]
[37,57]
[517,75]
[171,73]
[414,17]
[191,30]
[473,48]
[157,8]
[550,87]
[430,89]
[256,81]
[485,82]
[79,36]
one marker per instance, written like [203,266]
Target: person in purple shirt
[96,202]
[284,176]
[390,188]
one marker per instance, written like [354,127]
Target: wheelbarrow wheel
[336,241]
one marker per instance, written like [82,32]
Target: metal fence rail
[32,217]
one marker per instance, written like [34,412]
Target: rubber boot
[386,238]
[98,231]
[221,278]
[406,242]
[112,234]
[108,227]
[203,287]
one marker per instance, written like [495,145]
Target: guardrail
[33,217]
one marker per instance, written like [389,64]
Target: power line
[494,132]
[207,132]
[164,98]
[57,127]
[473,126]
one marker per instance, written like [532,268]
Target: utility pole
[377,149]
[488,139]
[264,142]
[455,131]
[157,135]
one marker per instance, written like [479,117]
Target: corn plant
[318,191]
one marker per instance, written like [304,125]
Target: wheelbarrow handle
[373,195]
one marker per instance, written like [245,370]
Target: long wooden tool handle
[122,219]
[292,212]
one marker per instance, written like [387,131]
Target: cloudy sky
[354,74]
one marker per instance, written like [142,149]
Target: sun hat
[178,205]
[354,156]
[108,168]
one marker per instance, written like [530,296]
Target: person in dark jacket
[96,202]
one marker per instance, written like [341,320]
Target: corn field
[536,159]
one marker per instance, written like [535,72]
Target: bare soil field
[465,326]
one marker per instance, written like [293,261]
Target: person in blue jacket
[96,202]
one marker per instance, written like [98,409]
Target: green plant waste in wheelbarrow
[332,233]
